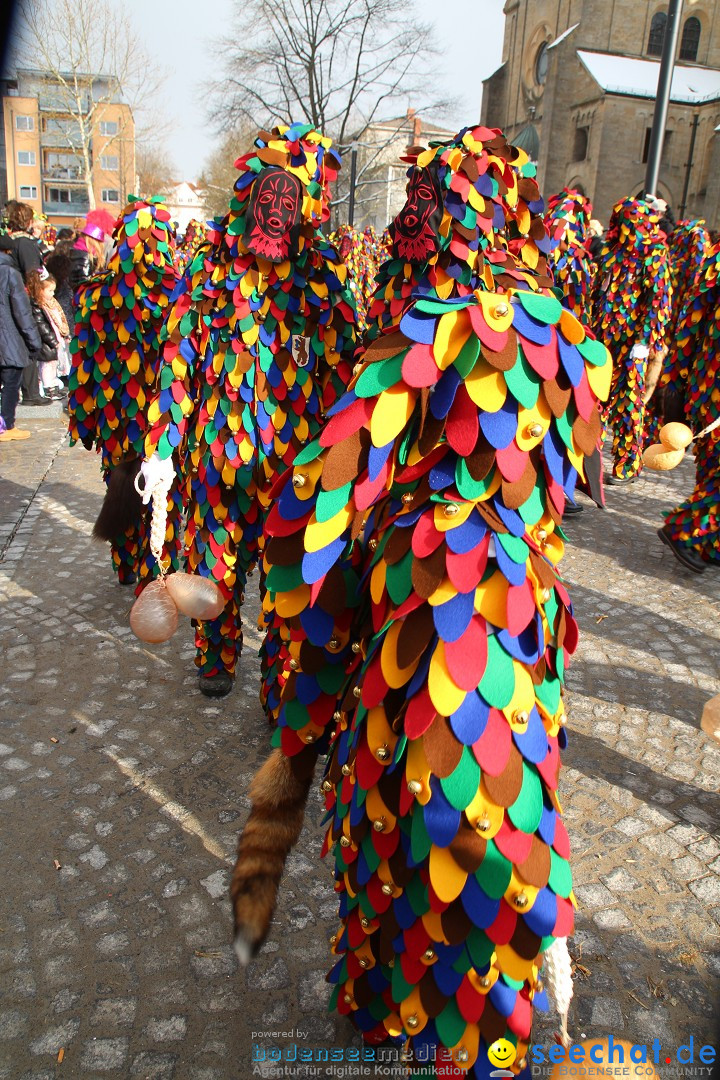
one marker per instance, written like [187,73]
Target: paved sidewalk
[122,791]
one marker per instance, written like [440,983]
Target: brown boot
[14,435]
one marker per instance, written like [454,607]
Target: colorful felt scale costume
[412,559]
[194,236]
[363,253]
[631,313]
[115,357]
[567,220]
[696,523]
[260,344]
[688,246]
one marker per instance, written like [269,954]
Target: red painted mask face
[415,229]
[273,215]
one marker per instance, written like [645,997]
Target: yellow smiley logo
[502,1053]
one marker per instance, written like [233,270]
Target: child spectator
[52,326]
[19,338]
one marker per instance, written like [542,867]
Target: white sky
[186,32]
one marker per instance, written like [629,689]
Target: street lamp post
[657,133]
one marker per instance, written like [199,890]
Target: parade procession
[385,741]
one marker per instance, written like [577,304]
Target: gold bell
[333,643]
[261,316]
[372,544]
[309,737]
[356,646]
[337,715]
[520,717]
[429,954]
[521,900]
[500,310]
[483,824]
[546,594]
[387,889]
[485,982]
[357,369]
[362,962]
[326,785]
[451,509]
[382,752]
[357,691]
[333,939]
[293,664]
[364,923]
[407,498]
[379,824]
[412,1021]
[534,430]
[344,842]
[414,787]
[299,480]
[541,535]
[346,770]
[347,999]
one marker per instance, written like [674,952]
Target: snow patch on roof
[639,78]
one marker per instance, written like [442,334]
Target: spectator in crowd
[60,266]
[19,241]
[53,329]
[19,339]
[87,254]
[597,237]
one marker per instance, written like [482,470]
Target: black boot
[218,685]
[683,554]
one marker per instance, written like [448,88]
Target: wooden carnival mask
[272,222]
[415,229]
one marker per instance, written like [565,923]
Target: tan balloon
[154,615]
[196,596]
[659,457]
[675,436]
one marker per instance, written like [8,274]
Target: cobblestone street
[122,791]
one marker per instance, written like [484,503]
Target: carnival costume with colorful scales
[115,358]
[696,523]
[631,313]
[259,345]
[567,220]
[411,561]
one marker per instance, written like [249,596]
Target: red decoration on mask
[273,215]
[415,229]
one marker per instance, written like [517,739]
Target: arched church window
[541,64]
[690,39]
[657,34]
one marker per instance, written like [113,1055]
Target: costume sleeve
[659,308]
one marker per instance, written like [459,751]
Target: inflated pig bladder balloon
[196,596]
[154,615]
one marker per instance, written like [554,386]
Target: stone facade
[596,138]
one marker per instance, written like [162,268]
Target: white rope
[557,971]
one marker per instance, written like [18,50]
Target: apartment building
[41,159]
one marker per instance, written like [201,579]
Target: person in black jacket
[19,338]
[23,247]
[41,290]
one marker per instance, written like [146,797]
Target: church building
[577,90]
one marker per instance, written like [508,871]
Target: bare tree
[156,171]
[219,173]
[337,64]
[91,57]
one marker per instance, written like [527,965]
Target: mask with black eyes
[272,222]
[415,229]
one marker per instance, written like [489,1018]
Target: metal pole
[688,165]
[657,134]
[353,174]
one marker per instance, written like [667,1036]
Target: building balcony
[59,140]
[62,174]
[73,209]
